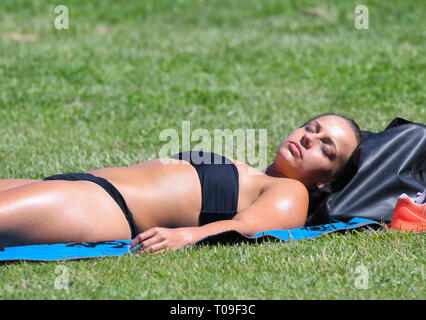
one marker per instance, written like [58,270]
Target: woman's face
[313,153]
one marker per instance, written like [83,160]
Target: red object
[408,216]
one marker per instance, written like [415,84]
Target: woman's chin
[284,158]
[285,164]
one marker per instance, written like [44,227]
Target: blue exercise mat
[65,251]
[70,251]
[232,236]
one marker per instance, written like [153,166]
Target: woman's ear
[320,184]
[316,186]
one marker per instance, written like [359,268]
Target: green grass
[324,268]
[100,93]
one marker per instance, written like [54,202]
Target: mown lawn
[100,93]
[363,265]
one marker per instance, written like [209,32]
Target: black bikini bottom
[219,184]
[112,191]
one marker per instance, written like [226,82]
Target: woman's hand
[160,239]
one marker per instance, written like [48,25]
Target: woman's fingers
[142,237]
[157,248]
[157,240]
[153,245]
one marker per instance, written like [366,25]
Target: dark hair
[343,173]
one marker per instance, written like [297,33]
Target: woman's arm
[283,205]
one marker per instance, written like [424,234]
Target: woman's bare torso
[169,194]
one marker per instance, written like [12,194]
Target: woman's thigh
[59,211]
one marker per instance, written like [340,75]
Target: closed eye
[309,128]
[328,148]
[327,144]
[327,152]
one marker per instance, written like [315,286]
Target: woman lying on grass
[168,204]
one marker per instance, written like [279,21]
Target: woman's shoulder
[290,192]
[282,204]
[291,186]
[286,189]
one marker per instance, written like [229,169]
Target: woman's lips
[295,150]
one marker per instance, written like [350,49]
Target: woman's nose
[307,140]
